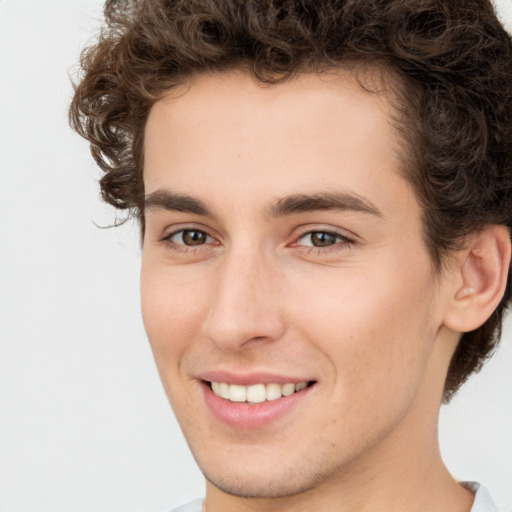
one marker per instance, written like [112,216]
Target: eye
[189,237]
[321,239]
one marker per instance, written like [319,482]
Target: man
[324,195]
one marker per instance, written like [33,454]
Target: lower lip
[242,415]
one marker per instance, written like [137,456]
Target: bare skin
[341,293]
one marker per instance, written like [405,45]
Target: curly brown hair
[452,60]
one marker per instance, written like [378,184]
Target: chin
[261,482]
[249,486]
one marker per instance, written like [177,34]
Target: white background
[84,423]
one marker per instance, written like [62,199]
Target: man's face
[283,248]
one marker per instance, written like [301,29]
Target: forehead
[314,132]
[313,103]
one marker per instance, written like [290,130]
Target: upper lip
[250,378]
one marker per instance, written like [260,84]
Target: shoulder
[193,506]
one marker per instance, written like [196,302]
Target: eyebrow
[166,200]
[289,205]
[340,201]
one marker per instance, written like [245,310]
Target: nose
[245,307]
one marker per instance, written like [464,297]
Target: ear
[481,277]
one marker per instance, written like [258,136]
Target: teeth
[288,389]
[224,390]
[300,386]
[273,391]
[216,388]
[256,393]
[237,393]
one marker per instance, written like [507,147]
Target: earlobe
[483,271]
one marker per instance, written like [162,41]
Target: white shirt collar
[483,501]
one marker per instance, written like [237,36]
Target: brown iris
[193,237]
[322,239]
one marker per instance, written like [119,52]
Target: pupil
[191,237]
[323,239]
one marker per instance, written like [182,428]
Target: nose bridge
[245,306]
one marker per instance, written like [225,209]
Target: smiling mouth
[256,393]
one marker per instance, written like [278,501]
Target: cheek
[376,328]
[171,311]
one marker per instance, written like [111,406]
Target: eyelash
[343,242]
[182,247]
